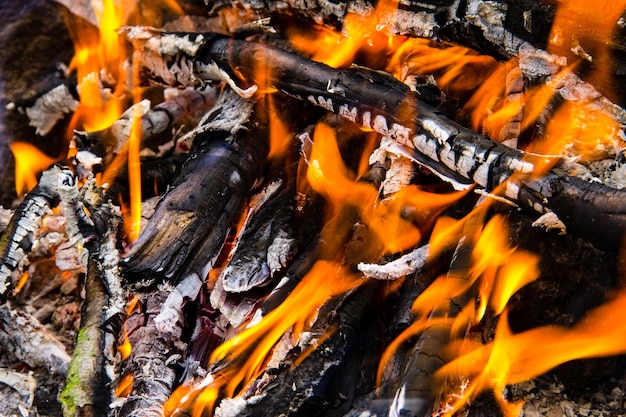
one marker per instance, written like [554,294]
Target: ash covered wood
[239,231]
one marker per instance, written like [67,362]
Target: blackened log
[266,244]
[304,389]
[501,28]
[384,104]
[191,222]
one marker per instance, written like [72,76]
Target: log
[500,28]
[207,196]
[387,106]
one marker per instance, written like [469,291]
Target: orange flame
[496,269]
[328,175]
[125,348]
[248,351]
[513,358]
[124,386]
[573,24]
[29,163]
[338,49]
[98,58]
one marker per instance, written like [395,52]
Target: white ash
[398,268]
[50,108]
[31,342]
[172,309]
[550,221]
[282,248]
[67,257]
[398,176]
[5,217]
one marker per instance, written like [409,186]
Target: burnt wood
[498,28]
[191,222]
[380,102]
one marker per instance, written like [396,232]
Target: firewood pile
[286,208]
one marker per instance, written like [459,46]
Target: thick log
[206,196]
[501,28]
[381,103]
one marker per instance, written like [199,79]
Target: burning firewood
[501,28]
[390,108]
[289,283]
[207,195]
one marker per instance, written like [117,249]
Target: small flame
[339,49]
[125,348]
[21,282]
[124,386]
[29,163]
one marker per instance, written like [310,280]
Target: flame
[125,348]
[328,175]
[124,386]
[248,351]
[133,224]
[513,358]
[359,32]
[98,60]
[29,163]
[579,131]
[497,270]
[571,29]
[279,133]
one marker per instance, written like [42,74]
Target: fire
[330,177]
[513,358]
[359,32]
[29,163]
[248,352]
[497,271]
[573,128]
[124,386]
[98,61]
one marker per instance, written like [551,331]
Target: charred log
[384,104]
[155,361]
[501,28]
[17,239]
[207,195]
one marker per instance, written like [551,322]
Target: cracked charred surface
[206,196]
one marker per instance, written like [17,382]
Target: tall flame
[248,351]
[98,59]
